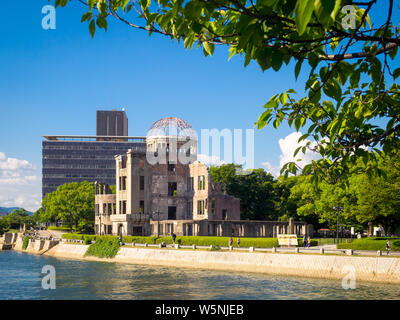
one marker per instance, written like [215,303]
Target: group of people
[306,242]
[231,242]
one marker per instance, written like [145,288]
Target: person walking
[304,241]
[238,242]
[230,242]
[308,241]
[388,247]
[173,237]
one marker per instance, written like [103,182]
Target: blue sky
[53,81]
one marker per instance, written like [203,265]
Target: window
[190,184]
[171,213]
[200,207]
[224,214]
[172,189]
[171,167]
[123,207]
[201,183]
[213,206]
[141,182]
[122,183]
[141,207]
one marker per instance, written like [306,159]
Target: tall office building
[68,159]
[111,123]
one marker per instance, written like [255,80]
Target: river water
[21,278]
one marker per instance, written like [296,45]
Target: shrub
[25,242]
[215,248]
[103,248]
[313,242]
[87,240]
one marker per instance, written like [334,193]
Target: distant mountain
[6,211]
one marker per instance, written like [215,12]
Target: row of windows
[73,156]
[55,147]
[63,176]
[202,204]
[77,166]
[123,179]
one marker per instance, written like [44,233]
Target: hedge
[59,228]
[103,248]
[376,244]
[188,240]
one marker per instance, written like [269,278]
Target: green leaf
[332,89]
[303,13]
[208,47]
[298,68]
[276,60]
[396,73]
[92,28]
[283,98]
[323,10]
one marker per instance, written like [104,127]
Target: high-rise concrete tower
[111,123]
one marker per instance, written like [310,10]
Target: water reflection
[20,278]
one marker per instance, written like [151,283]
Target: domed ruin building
[164,189]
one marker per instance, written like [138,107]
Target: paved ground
[47,233]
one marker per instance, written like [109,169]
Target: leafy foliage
[103,248]
[25,242]
[259,204]
[4,226]
[73,203]
[352,66]
[17,218]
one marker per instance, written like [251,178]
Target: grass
[373,243]
[59,228]
[190,240]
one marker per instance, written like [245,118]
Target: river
[21,278]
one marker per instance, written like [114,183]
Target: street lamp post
[337,209]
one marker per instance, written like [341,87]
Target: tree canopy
[351,52]
[255,190]
[367,198]
[73,203]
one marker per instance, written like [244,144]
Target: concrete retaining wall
[36,247]
[18,244]
[375,269]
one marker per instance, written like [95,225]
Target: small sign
[287,240]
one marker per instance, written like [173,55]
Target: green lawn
[373,243]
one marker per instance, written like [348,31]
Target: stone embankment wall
[375,269]
[36,247]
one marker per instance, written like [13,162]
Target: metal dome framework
[172,127]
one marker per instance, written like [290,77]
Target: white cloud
[274,170]
[288,146]
[14,164]
[20,183]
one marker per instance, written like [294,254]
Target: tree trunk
[370,229]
